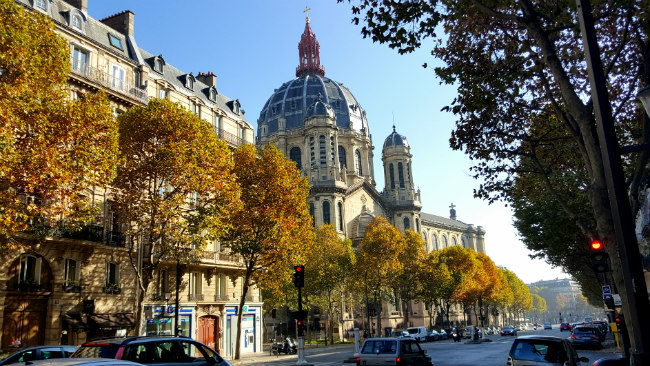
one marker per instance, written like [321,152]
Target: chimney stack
[121,22]
[79,4]
[208,78]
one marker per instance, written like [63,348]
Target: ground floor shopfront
[214,325]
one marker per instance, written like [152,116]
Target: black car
[586,336]
[565,326]
[152,350]
[39,353]
[509,330]
[392,351]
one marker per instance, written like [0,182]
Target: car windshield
[508,327]
[538,351]
[96,350]
[584,331]
[379,347]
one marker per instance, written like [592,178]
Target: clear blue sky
[252,47]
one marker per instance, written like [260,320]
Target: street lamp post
[635,306]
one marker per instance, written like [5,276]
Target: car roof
[539,337]
[128,340]
[78,361]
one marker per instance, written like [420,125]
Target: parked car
[433,335]
[161,350]
[78,362]
[543,350]
[392,351]
[39,353]
[548,326]
[565,326]
[509,330]
[467,333]
[419,333]
[586,336]
[443,334]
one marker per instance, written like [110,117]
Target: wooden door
[24,321]
[209,331]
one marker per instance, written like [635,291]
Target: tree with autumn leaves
[270,226]
[174,187]
[53,150]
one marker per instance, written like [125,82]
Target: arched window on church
[453,241]
[463,242]
[311,212]
[357,162]
[296,156]
[408,173]
[326,212]
[392,176]
[342,158]
[340,216]
[417,224]
[434,242]
[400,174]
[426,243]
[407,223]
[322,150]
[444,241]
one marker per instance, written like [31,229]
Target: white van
[419,333]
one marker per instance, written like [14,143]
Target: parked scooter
[288,347]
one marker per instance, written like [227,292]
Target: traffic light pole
[301,336]
[635,306]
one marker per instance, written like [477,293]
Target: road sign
[607,296]
[607,289]
[617,300]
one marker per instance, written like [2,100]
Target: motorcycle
[288,347]
[456,336]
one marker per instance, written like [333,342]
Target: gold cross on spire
[306,11]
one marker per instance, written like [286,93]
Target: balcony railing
[229,137]
[106,80]
[115,239]
[89,232]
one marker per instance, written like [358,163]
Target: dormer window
[158,64]
[213,94]
[41,4]
[76,21]
[189,81]
[236,107]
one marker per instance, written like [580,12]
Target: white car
[419,333]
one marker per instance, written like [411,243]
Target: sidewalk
[263,357]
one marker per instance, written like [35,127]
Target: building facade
[76,285]
[317,122]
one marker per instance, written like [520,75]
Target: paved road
[443,353]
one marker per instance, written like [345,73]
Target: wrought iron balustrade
[105,79]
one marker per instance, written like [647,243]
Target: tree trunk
[242,301]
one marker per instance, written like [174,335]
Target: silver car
[543,351]
[392,352]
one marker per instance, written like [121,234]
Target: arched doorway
[209,331]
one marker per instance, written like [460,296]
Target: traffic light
[301,331]
[299,276]
[620,322]
[599,258]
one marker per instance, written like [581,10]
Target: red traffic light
[597,245]
[298,268]
[299,322]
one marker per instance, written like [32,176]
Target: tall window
[326,212]
[112,274]
[76,21]
[221,290]
[196,290]
[332,145]
[400,174]
[357,162]
[444,241]
[79,60]
[434,242]
[158,65]
[312,213]
[162,281]
[312,150]
[164,93]
[41,4]
[321,150]
[213,94]
[118,74]
[71,274]
[243,133]
[296,156]
[392,176]
[30,269]
[426,243]
[407,223]
[408,173]
[453,241]
[340,215]
[342,157]
[417,224]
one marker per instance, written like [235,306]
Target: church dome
[292,99]
[395,139]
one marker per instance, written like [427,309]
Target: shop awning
[75,322]
[112,321]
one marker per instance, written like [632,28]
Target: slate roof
[443,221]
[176,78]
[291,100]
[395,139]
